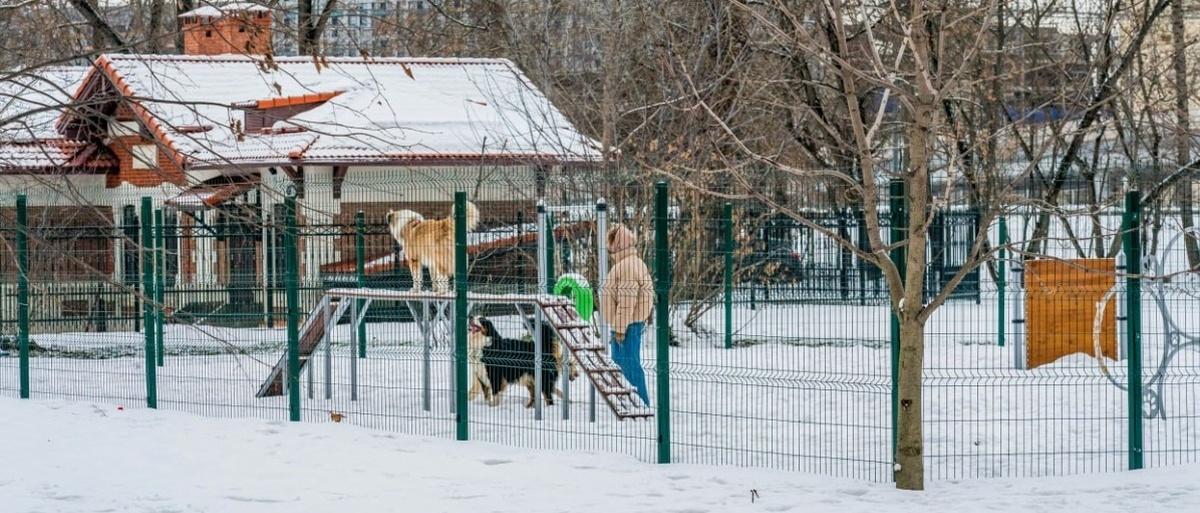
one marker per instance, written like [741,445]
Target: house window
[144,156]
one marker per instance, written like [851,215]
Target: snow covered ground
[94,457]
[807,389]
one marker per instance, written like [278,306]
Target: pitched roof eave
[104,65]
[53,156]
[406,160]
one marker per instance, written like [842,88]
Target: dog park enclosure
[793,374]
[168,241]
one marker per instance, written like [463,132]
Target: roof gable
[385,109]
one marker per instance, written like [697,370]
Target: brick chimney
[240,28]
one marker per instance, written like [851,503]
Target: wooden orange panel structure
[1061,297]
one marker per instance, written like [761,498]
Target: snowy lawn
[72,456]
[805,390]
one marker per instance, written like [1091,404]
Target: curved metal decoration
[1175,338]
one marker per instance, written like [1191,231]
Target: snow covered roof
[366,111]
[51,154]
[31,101]
[213,11]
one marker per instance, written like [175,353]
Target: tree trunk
[155,26]
[104,38]
[181,6]
[305,21]
[1183,130]
[910,467]
[910,463]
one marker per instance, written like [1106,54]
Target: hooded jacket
[627,295]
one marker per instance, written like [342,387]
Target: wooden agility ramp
[558,313]
[311,335]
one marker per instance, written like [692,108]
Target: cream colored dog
[428,244]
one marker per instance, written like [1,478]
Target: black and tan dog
[507,361]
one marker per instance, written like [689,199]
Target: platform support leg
[426,355]
[327,340]
[537,313]
[602,274]
[354,346]
[450,361]
[565,369]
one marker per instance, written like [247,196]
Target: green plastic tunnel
[577,288]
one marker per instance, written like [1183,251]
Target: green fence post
[147,255]
[1001,281]
[1132,243]
[460,316]
[662,293]
[291,282]
[23,292]
[898,229]
[160,283]
[360,275]
[727,249]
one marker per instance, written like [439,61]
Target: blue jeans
[628,354]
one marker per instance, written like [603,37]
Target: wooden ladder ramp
[591,353]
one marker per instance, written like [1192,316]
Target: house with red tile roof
[221,133]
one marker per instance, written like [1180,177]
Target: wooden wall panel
[1060,308]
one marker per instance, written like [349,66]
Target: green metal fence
[746,362]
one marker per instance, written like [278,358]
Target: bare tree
[104,35]
[312,25]
[1183,132]
[861,80]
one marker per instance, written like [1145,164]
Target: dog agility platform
[579,337]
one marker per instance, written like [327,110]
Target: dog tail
[472,216]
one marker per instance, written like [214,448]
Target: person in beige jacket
[626,300]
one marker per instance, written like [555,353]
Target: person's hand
[619,337]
